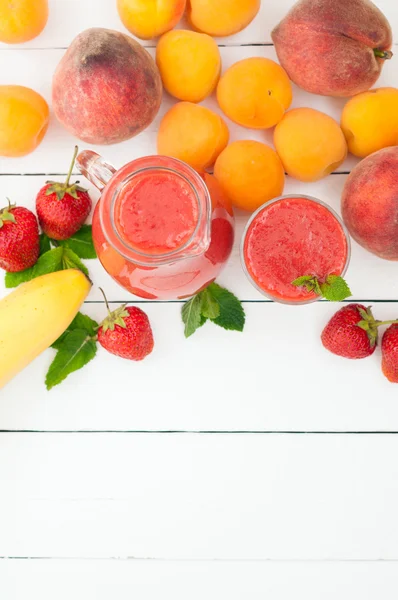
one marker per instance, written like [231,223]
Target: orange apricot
[150,18]
[194,134]
[24,117]
[255,93]
[221,17]
[310,144]
[189,64]
[250,173]
[370,121]
[22,20]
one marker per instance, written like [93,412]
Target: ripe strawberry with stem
[62,208]
[126,332]
[352,332]
[19,238]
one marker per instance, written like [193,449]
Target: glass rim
[252,218]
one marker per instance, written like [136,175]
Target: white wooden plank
[150,580]
[35,69]
[274,376]
[176,496]
[380,281]
[69,17]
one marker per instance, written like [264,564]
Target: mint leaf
[49,262]
[70,260]
[335,288]
[191,315]
[303,280]
[12,280]
[81,243]
[232,315]
[45,245]
[81,321]
[210,308]
[76,350]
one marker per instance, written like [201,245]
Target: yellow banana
[35,315]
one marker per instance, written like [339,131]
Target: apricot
[194,134]
[309,143]
[150,18]
[369,203]
[189,64]
[221,17]
[24,118]
[250,173]
[333,47]
[255,93]
[107,88]
[370,121]
[22,20]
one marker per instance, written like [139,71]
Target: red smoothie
[291,237]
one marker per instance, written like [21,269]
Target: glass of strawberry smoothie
[290,237]
[156,229]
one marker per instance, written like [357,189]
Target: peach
[369,203]
[150,18]
[333,47]
[194,134]
[309,143]
[24,118]
[189,64]
[106,88]
[370,121]
[221,17]
[22,20]
[250,173]
[255,93]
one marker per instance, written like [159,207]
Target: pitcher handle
[95,168]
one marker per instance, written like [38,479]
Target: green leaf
[335,289]
[191,315]
[70,260]
[81,243]
[303,280]
[210,308]
[76,350]
[45,245]
[232,315]
[49,262]
[83,322]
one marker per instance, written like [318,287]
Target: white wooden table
[239,466]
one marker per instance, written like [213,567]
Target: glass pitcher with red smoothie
[157,230]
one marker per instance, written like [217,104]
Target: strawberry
[389,353]
[126,332]
[19,239]
[351,332]
[62,208]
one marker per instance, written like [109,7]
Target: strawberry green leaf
[81,243]
[76,350]
[45,245]
[70,260]
[232,315]
[335,289]
[83,322]
[191,315]
[210,308]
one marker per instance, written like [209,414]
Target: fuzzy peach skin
[333,47]
[107,88]
[255,93]
[370,121]
[189,64]
[310,144]
[369,203]
[221,17]
[194,134]
[148,19]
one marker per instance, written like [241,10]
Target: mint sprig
[76,347]
[65,255]
[216,304]
[334,288]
